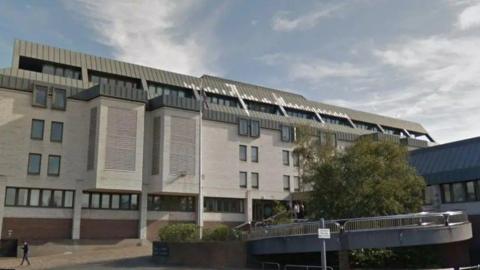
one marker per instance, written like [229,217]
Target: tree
[369,178]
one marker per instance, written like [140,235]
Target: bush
[178,233]
[220,233]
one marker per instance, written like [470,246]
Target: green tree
[369,178]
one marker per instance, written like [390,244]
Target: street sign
[324,233]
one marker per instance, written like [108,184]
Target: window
[56,132]
[296,159]
[59,100]
[134,201]
[40,93]
[85,200]
[37,129]
[243,152]
[287,134]
[10,196]
[115,201]
[471,191]
[223,205]
[22,197]
[447,195]
[243,127]
[68,199]
[57,198]
[458,192]
[46,197]
[286,157]
[254,154]
[296,183]
[105,201]
[286,182]
[95,200]
[125,201]
[255,180]
[254,128]
[243,179]
[34,163]
[34,197]
[53,165]
[171,203]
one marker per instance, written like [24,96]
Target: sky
[415,60]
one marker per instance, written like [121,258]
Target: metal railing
[474,267]
[424,219]
[274,264]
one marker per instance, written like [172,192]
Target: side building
[94,148]
[452,174]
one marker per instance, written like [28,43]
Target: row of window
[163,90]
[96,200]
[35,164]
[62,71]
[248,127]
[171,203]
[262,107]
[59,97]
[253,152]
[223,205]
[286,183]
[287,134]
[34,197]
[115,80]
[223,100]
[461,192]
[301,114]
[366,126]
[56,130]
[254,180]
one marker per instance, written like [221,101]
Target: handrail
[307,267]
[270,263]
[424,219]
[470,267]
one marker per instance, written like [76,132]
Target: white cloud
[281,23]
[150,33]
[470,17]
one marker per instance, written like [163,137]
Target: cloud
[282,23]
[154,33]
[469,17]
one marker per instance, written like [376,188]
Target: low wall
[202,254]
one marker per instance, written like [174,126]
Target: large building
[452,174]
[95,148]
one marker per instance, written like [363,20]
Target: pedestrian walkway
[78,258]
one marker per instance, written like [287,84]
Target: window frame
[286,177]
[54,97]
[258,180]
[286,162]
[285,133]
[59,165]
[243,155]
[41,198]
[254,158]
[252,124]
[39,164]
[240,179]
[51,131]
[43,129]
[247,125]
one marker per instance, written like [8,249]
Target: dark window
[35,197]
[286,134]
[34,163]
[296,183]
[40,96]
[254,128]
[458,192]
[286,157]
[10,195]
[223,100]
[255,180]
[335,120]
[261,107]
[59,100]
[286,182]
[243,152]
[56,132]
[171,203]
[113,80]
[446,193]
[243,179]
[254,154]
[471,191]
[243,127]
[124,201]
[41,66]
[301,114]
[37,129]
[223,205]
[53,165]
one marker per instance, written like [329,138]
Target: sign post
[323,234]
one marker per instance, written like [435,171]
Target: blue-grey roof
[451,162]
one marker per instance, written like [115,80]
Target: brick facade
[108,229]
[37,228]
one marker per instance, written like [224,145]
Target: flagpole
[200,170]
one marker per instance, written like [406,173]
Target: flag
[204,98]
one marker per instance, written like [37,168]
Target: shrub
[220,233]
[178,233]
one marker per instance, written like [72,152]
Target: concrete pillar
[3,185]
[77,210]
[142,219]
[248,206]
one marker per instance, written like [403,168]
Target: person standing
[25,253]
[296,210]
